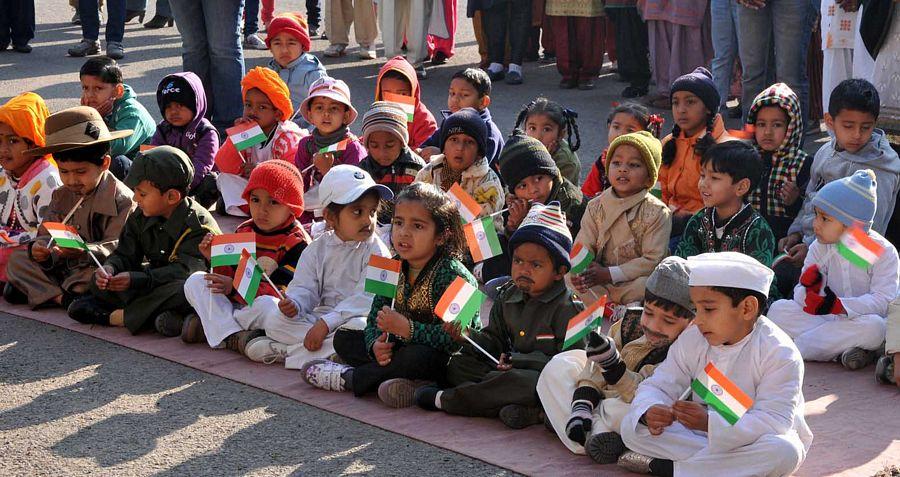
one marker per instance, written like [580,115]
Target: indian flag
[146,147]
[580,257]
[338,146]
[460,302]
[482,239]
[6,239]
[583,323]
[406,103]
[246,135]
[382,276]
[858,248]
[721,394]
[468,207]
[226,249]
[247,277]
[65,236]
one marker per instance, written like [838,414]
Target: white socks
[495,68]
[437,399]
[515,67]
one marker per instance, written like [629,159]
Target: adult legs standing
[17,21]
[631,41]
[725,45]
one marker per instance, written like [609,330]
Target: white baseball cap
[344,184]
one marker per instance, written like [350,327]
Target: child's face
[627,172]
[82,177]
[257,107]
[463,95]
[689,112]
[178,115]
[852,129]
[395,86]
[12,148]
[544,129]
[718,188]
[532,269]
[720,321]
[827,228]
[155,203]
[384,147]
[536,188]
[771,128]
[356,221]
[285,48]
[460,152]
[98,94]
[622,123]
[414,234]
[328,115]
[661,326]
[266,212]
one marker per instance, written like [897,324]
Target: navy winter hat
[175,88]
[849,200]
[699,82]
[545,225]
[466,121]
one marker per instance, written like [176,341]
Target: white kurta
[865,295]
[844,55]
[772,438]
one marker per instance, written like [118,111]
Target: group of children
[322,204]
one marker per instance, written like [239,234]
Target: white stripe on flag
[727,399]
[459,302]
[382,275]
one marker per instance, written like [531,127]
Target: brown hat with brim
[76,127]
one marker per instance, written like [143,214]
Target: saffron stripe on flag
[859,248]
[246,135]
[714,402]
[739,395]
[468,207]
[461,302]
[226,248]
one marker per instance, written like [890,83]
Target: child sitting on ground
[469,88]
[103,88]
[275,196]
[548,122]
[527,327]
[839,308]
[887,368]
[586,393]
[626,228]
[427,235]
[398,77]
[751,355]
[623,119]
[267,102]
[287,37]
[92,200]
[142,282]
[182,103]
[329,109]
[464,142]
[27,181]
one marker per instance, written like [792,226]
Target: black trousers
[313,14]
[632,47]
[16,22]
[511,17]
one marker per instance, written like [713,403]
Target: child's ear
[743,187]
[173,196]
[749,308]
[120,90]
[829,122]
[279,115]
[485,102]
[346,116]
[104,166]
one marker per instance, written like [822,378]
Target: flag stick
[266,276]
[685,394]
[479,348]
[72,212]
[499,212]
[100,267]
[307,168]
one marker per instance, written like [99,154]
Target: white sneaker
[335,50]
[367,52]
[324,374]
[254,42]
[263,349]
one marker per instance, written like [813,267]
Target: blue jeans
[781,25]
[90,20]
[211,39]
[251,17]
[725,44]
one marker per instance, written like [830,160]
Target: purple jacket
[354,153]
[199,139]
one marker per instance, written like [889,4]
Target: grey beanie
[669,281]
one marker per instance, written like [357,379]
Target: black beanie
[524,156]
[177,89]
[700,83]
[466,121]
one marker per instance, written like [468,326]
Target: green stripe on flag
[250,142]
[380,288]
[254,287]
[714,402]
[580,335]
[852,257]
[467,314]
[69,243]
[490,233]
[225,260]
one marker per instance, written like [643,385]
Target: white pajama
[825,337]
[845,61]
[231,187]
[409,20]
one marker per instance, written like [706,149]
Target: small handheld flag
[6,239]
[581,257]
[406,103]
[382,276]
[721,394]
[226,248]
[460,302]
[246,135]
[585,322]
[468,207]
[858,248]
[338,146]
[482,239]
[146,147]
[247,277]
[65,236]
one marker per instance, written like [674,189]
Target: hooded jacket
[479,181]
[832,162]
[128,113]
[199,138]
[299,75]
[495,140]
[423,124]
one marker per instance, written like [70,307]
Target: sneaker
[513,77]
[605,447]
[325,374]
[516,416]
[334,51]
[85,48]
[884,370]
[254,42]
[169,323]
[115,50]
[858,358]
[367,52]
[192,330]
[238,341]
[313,31]
[397,392]
[266,350]
[634,462]
[90,311]
[425,395]
[13,295]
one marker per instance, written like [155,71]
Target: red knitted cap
[291,23]
[281,180]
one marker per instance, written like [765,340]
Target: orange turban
[272,86]
[26,115]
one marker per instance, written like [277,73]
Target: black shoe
[548,58]
[516,416]
[586,85]
[634,92]
[532,57]
[192,330]
[90,311]
[605,447]
[13,295]
[424,397]
[132,14]
[169,323]
[884,370]
[420,72]
[513,77]
[159,21]
[567,84]
[735,112]
[26,48]
[4,46]
[439,58]
[496,76]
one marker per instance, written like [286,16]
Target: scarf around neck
[325,140]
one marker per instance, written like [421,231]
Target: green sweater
[567,162]
[747,232]
[128,113]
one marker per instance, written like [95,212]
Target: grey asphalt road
[74,405]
